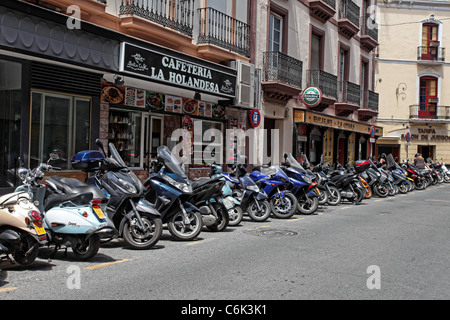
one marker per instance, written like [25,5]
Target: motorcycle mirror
[285,155]
[99,143]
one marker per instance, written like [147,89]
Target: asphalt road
[398,245]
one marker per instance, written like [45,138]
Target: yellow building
[412,77]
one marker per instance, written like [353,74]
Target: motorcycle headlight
[253,188]
[128,186]
[179,185]
[307,179]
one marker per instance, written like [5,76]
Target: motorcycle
[136,221]
[235,212]
[305,189]
[169,190]
[21,229]
[253,200]
[414,174]
[275,184]
[70,220]
[349,185]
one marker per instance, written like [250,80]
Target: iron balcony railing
[431,54]
[325,81]
[369,28]
[219,29]
[349,10]
[282,68]
[429,112]
[349,92]
[175,14]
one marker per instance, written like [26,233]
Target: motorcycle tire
[403,188]
[236,214]
[381,190]
[87,249]
[323,198]
[334,198]
[222,221]
[143,240]
[420,184]
[359,196]
[259,215]
[308,206]
[28,251]
[287,210]
[182,232]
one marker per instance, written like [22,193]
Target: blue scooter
[233,205]
[305,189]
[253,200]
[275,184]
[70,220]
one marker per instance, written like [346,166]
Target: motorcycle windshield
[280,172]
[294,164]
[171,163]
[116,156]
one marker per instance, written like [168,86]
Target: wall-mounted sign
[312,96]
[180,70]
[255,118]
[408,137]
[373,132]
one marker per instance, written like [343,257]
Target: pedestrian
[419,162]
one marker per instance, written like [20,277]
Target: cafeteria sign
[178,69]
[312,96]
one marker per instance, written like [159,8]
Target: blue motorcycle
[305,189]
[275,184]
[233,205]
[253,200]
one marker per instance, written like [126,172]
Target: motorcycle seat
[74,186]
[55,200]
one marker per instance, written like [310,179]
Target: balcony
[177,15]
[223,31]
[322,10]
[282,77]
[429,112]
[369,34]
[349,98]
[370,104]
[431,55]
[327,83]
[348,22]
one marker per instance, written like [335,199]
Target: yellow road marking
[298,219]
[379,200]
[345,208]
[3,290]
[104,265]
[193,243]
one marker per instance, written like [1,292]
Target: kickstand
[53,254]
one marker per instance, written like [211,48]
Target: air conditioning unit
[248,87]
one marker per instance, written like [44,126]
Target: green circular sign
[312,96]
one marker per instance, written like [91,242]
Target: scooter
[70,220]
[169,190]
[21,229]
[275,184]
[253,200]
[233,205]
[136,220]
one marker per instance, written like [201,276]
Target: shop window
[204,151]
[125,133]
[59,124]
[10,122]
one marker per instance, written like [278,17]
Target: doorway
[427,152]
[153,135]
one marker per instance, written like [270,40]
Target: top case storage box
[87,160]
[361,166]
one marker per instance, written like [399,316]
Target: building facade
[328,45]
[412,76]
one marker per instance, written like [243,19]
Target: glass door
[153,138]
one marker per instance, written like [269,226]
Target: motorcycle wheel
[285,208]
[402,188]
[308,206]
[143,240]
[359,196]
[420,184]
[334,198]
[185,232]
[236,214]
[87,249]
[381,190]
[28,251]
[223,221]
[259,215]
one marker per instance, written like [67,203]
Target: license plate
[318,191]
[39,228]
[228,203]
[99,213]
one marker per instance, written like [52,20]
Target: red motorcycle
[413,173]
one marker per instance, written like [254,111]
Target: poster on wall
[188,141]
[173,104]
[155,101]
[112,94]
[190,107]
